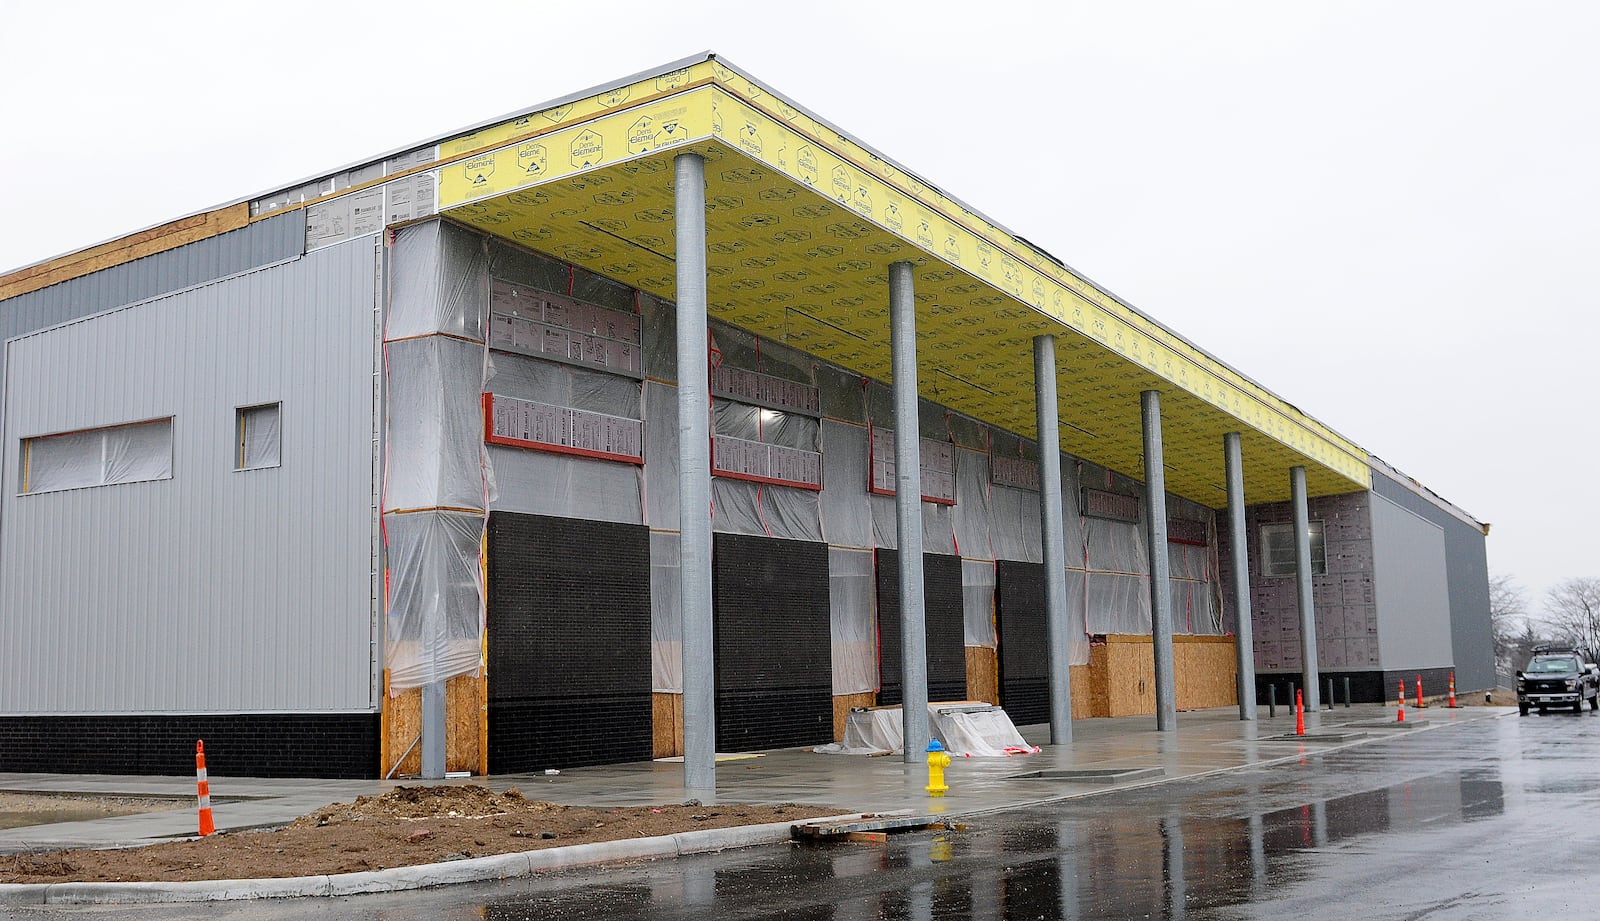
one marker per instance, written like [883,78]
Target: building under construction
[660,419]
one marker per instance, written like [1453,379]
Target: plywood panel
[667,722]
[403,724]
[1207,672]
[983,675]
[464,717]
[843,704]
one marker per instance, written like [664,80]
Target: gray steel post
[908,512]
[433,731]
[1155,484]
[1238,552]
[1302,579]
[694,480]
[1055,552]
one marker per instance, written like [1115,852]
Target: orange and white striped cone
[1452,690]
[1401,716]
[1420,704]
[1299,714]
[207,826]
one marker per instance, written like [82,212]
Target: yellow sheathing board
[604,140]
[799,242]
[577,112]
[797,145]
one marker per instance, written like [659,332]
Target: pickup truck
[1557,677]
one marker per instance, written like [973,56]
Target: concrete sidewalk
[1205,742]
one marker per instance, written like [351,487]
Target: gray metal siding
[1467,566]
[217,590]
[273,240]
[1413,595]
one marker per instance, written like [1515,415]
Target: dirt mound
[463,802]
[404,827]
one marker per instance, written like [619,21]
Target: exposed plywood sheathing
[1120,677]
[983,674]
[135,246]
[667,720]
[843,704]
[465,719]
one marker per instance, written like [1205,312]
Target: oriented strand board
[843,704]
[1121,679]
[464,714]
[135,246]
[667,721]
[1207,672]
[983,674]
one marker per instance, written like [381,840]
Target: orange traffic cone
[1420,704]
[1401,717]
[1452,690]
[1299,715]
[207,826]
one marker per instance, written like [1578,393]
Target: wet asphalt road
[1488,820]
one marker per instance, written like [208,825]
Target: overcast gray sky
[1386,212]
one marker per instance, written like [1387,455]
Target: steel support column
[908,512]
[1155,484]
[433,728]
[694,480]
[1055,553]
[1239,554]
[1302,581]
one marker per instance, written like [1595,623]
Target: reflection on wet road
[1484,820]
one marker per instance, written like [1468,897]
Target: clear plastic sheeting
[661,455]
[979,732]
[846,515]
[977,602]
[792,514]
[565,485]
[435,424]
[100,457]
[885,527]
[530,269]
[843,394]
[260,436]
[852,612]
[598,289]
[562,385]
[1118,603]
[878,731]
[438,282]
[737,348]
[658,322]
[1014,525]
[735,507]
[971,514]
[666,615]
[435,617]
[1077,619]
[938,528]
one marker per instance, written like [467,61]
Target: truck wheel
[1594,703]
[1543,711]
[1522,709]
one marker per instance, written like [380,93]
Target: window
[260,437]
[1277,550]
[98,457]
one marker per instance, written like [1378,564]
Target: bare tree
[1572,611]
[1508,618]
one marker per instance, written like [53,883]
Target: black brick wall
[943,621]
[1024,642]
[774,655]
[569,643]
[339,745]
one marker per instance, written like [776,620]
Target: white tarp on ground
[969,729]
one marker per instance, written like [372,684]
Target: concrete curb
[472,870]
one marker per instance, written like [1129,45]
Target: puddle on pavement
[19,810]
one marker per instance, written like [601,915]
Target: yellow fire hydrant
[937,762]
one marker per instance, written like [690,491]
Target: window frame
[26,445]
[240,416]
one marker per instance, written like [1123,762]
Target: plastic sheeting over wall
[437,463]
[853,614]
[435,492]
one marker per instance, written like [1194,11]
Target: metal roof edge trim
[1414,485]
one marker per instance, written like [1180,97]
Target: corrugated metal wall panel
[272,240]
[1413,594]
[217,590]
